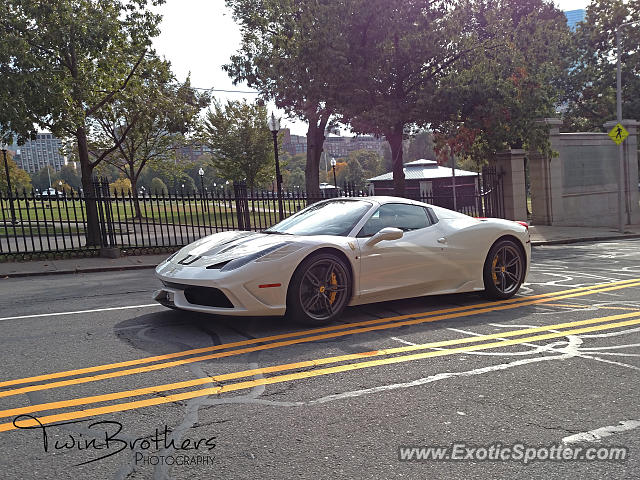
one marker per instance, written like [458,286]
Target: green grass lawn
[33,230]
[155,211]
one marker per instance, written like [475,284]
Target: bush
[158,187]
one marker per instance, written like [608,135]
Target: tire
[504,269]
[319,290]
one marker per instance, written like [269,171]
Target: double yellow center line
[293,338]
[290,339]
[524,334]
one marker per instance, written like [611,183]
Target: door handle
[442,240]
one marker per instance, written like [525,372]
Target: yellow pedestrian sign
[618,134]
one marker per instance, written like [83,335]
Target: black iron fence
[36,225]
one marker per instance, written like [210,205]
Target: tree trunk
[91,208]
[394,137]
[315,141]
[134,193]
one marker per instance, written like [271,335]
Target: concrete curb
[78,270]
[566,241]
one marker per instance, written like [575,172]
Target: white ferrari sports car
[346,251]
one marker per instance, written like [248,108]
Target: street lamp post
[4,147]
[333,167]
[622,177]
[274,125]
[201,173]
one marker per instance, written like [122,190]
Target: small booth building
[429,182]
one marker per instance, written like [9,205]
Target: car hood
[226,246]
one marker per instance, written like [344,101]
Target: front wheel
[319,290]
[504,270]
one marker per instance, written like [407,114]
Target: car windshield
[335,217]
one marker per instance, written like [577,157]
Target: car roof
[380,199]
[441,212]
[389,199]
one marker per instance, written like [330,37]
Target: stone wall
[579,187]
[510,166]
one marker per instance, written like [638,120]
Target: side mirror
[387,233]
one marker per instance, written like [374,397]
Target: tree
[421,145]
[20,180]
[289,53]
[496,95]
[79,54]
[490,66]
[293,178]
[158,187]
[341,172]
[355,173]
[153,132]
[44,178]
[64,187]
[241,143]
[185,185]
[400,49]
[107,171]
[121,186]
[593,80]
[387,156]
[370,161]
[69,175]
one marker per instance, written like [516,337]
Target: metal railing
[56,226]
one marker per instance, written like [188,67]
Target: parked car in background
[49,193]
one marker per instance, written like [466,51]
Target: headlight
[242,261]
[171,256]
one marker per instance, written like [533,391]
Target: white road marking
[613,347]
[512,325]
[586,350]
[437,377]
[570,350]
[611,334]
[58,314]
[535,348]
[403,341]
[600,433]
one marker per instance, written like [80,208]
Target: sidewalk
[553,235]
[79,265]
[540,235]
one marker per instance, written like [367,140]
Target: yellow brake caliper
[334,282]
[493,270]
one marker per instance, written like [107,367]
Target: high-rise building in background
[340,147]
[334,146]
[193,152]
[38,153]
[574,16]
[293,144]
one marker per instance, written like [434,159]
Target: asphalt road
[548,368]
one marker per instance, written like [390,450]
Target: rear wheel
[504,269]
[319,290]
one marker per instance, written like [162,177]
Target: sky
[199,36]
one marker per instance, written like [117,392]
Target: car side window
[432,216]
[398,215]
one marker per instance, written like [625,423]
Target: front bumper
[236,293]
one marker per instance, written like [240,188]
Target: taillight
[524,224]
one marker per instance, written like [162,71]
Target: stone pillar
[630,160]
[510,164]
[545,179]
